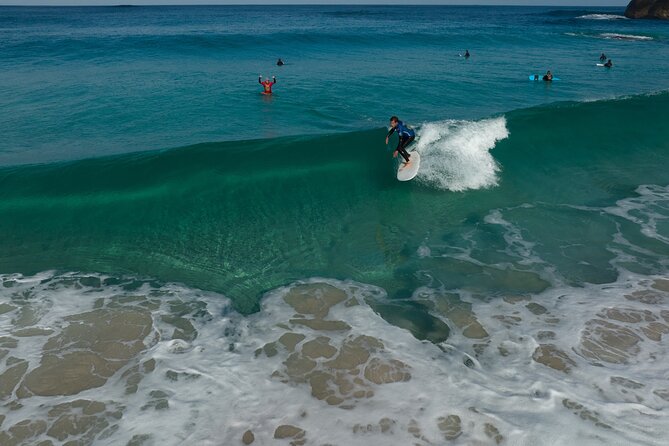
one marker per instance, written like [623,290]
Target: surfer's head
[394,120]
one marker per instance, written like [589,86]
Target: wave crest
[456,154]
[602,17]
[618,36]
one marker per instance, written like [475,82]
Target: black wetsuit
[406,135]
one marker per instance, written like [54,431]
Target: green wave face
[244,217]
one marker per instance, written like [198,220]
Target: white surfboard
[408,171]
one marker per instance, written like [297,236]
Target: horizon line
[324,3]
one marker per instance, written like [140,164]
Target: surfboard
[540,77]
[407,172]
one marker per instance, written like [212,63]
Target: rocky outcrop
[648,9]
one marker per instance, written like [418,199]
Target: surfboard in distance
[540,77]
[407,172]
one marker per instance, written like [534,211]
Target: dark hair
[394,119]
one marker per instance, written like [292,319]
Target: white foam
[455,155]
[618,36]
[235,392]
[516,246]
[602,17]
[647,210]
[611,36]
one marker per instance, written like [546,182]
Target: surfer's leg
[402,151]
[401,148]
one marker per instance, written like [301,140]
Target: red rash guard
[267,85]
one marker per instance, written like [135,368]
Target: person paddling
[406,137]
[267,84]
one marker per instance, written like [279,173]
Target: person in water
[406,136]
[267,84]
[603,57]
[279,62]
[467,54]
[608,64]
[548,77]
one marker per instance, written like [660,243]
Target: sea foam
[602,17]
[578,365]
[455,155]
[618,36]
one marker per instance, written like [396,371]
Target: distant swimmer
[548,77]
[603,57]
[467,54]
[279,62]
[267,84]
[608,64]
[405,134]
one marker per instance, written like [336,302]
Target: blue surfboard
[540,77]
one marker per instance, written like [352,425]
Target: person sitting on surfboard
[279,62]
[603,57]
[405,134]
[608,64]
[466,56]
[267,84]
[548,77]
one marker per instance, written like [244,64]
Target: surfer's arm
[273,80]
[260,80]
[390,132]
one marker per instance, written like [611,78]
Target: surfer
[548,77]
[406,137]
[279,62]
[467,54]
[608,64]
[603,57]
[267,84]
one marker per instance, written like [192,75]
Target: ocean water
[186,261]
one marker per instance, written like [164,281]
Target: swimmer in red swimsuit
[267,85]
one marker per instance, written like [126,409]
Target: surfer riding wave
[406,137]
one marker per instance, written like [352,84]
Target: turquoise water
[113,80]
[242,218]
[145,181]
